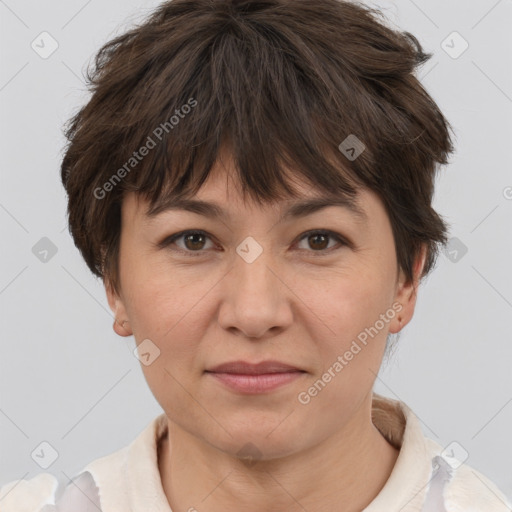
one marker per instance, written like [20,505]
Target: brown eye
[318,241]
[190,242]
[194,241]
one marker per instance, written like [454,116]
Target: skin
[290,305]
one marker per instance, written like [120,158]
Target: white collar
[129,479]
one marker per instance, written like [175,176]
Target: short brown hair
[280,83]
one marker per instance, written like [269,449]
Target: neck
[344,472]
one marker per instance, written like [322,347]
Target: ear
[406,294]
[121,324]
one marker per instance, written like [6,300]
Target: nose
[256,300]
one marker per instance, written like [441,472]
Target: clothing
[128,480]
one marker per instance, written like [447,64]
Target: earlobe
[407,293]
[398,322]
[121,328]
[405,301]
[121,324]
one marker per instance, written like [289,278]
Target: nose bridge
[255,299]
[252,270]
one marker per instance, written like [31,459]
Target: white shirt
[128,480]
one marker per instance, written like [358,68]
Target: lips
[246,368]
[253,379]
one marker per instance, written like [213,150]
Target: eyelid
[342,241]
[171,238]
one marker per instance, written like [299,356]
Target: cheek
[350,343]
[351,303]
[171,314]
[348,312]
[174,312]
[161,300]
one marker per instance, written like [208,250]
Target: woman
[253,182]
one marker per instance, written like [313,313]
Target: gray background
[67,379]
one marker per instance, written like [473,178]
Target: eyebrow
[296,210]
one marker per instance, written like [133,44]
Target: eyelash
[323,252]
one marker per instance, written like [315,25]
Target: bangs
[242,99]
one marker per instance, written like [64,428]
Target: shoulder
[44,493]
[431,476]
[28,495]
[109,479]
[465,488]
[471,491]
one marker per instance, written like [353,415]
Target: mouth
[250,378]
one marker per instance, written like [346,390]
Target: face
[255,285]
